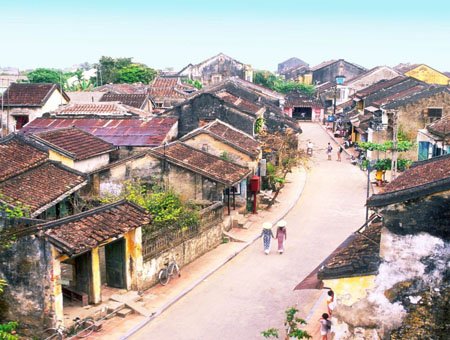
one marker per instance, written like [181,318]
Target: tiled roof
[134,100]
[118,131]
[137,88]
[169,87]
[440,127]
[37,187]
[230,135]
[423,178]
[386,94]
[18,154]
[424,92]
[323,64]
[240,103]
[403,68]
[395,97]
[359,255]
[79,233]
[368,73]
[21,94]
[76,142]
[245,86]
[378,86]
[203,163]
[99,109]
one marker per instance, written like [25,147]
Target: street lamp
[339,81]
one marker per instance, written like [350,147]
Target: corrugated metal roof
[120,132]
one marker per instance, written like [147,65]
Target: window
[434,113]
[423,150]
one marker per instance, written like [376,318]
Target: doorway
[302,113]
[115,264]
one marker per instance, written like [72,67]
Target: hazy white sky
[173,33]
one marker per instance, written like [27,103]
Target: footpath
[159,298]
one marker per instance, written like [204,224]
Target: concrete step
[124,312]
[114,306]
[139,309]
[130,296]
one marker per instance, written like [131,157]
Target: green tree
[166,207]
[135,73]
[45,75]
[268,79]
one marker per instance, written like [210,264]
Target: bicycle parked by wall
[169,271]
[82,328]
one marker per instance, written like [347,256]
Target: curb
[148,319]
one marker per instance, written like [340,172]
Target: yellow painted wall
[428,75]
[216,148]
[350,289]
[57,288]
[96,288]
[134,263]
[55,156]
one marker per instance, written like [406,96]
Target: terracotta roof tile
[425,177]
[240,103]
[169,87]
[440,127]
[229,135]
[40,185]
[21,94]
[76,234]
[17,155]
[133,100]
[137,88]
[359,255]
[80,144]
[210,166]
[118,131]
[234,136]
[99,109]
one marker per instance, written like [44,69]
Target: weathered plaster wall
[429,214]
[56,156]
[330,72]
[111,180]
[363,82]
[27,268]
[350,289]
[217,148]
[184,253]
[207,107]
[413,117]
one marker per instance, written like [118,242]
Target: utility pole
[394,146]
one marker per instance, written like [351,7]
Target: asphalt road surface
[251,292]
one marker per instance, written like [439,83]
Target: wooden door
[83,269]
[115,264]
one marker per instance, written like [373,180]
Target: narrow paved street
[251,292]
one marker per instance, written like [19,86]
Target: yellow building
[350,271]
[427,74]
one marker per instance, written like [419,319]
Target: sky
[174,33]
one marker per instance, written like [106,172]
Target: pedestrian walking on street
[281,235]
[325,326]
[339,153]
[329,149]
[267,236]
[330,302]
